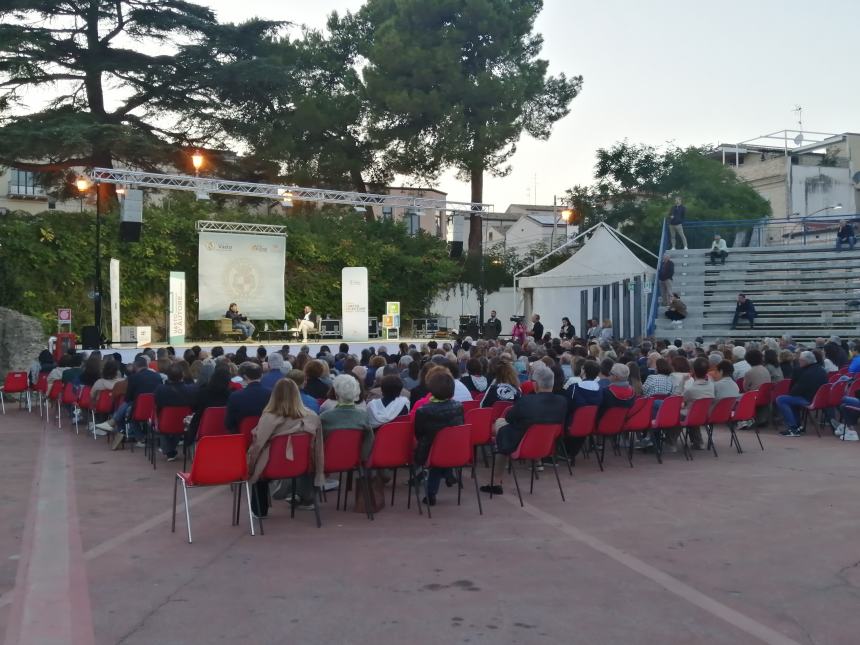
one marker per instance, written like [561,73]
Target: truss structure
[208,226]
[214,186]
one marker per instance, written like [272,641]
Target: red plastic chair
[668,417]
[343,455]
[471,405]
[609,424]
[744,411]
[143,413]
[834,376]
[478,396]
[740,382]
[68,397]
[171,420]
[16,383]
[582,424]
[638,420]
[481,420]
[720,414]
[820,402]
[452,448]
[697,416]
[53,397]
[764,399]
[41,388]
[500,408]
[246,427]
[279,467]
[538,442]
[780,388]
[212,422]
[393,445]
[220,461]
[83,402]
[102,406]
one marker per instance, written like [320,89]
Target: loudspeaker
[90,337]
[131,216]
[456,250]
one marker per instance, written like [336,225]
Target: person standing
[744,309]
[665,275]
[719,250]
[568,331]
[677,214]
[537,328]
[493,326]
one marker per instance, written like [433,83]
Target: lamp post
[824,210]
[82,184]
[197,162]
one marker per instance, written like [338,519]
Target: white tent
[603,279]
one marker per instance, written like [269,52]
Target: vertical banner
[354,303]
[114,300]
[176,312]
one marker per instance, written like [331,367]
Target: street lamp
[197,162]
[825,209]
[82,184]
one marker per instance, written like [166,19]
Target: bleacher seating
[801,290]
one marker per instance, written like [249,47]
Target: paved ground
[750,548]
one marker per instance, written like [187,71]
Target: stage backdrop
[240,268]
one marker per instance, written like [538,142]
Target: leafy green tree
[457,82]
[635,185]
[128,80]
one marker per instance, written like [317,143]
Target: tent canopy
[603,259]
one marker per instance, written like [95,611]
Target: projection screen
[241,268]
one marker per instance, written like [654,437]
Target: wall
[815,187]
[462,300]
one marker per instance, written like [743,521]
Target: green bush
[47,261]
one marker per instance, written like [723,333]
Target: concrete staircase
[800,290]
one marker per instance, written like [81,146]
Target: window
[23,183]
[387,212]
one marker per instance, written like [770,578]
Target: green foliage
[47,260]
[636,184]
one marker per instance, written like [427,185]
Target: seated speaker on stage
[493,326]
[240,321]
[308,323]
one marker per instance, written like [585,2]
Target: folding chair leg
[459,484]
[293,499]
[339,487]
[236,499]
[658,445]
[517,484]
[602,454]
[427,496]
[187,510]
[758,436]
[317,511]
[412,484]
[175,489]
[369,501]
[393,485]
[347,489]
[250,512]
[477,490]
[532,482]
[259,508]
[630,441]
[565,454]
[557,479]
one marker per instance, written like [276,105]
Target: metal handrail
[655,288]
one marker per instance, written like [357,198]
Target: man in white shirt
[308,323]
[719,250]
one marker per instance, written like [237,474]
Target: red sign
[64,316]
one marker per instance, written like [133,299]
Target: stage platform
[128,352]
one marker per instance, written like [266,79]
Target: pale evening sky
[661,71]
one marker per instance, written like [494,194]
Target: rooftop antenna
[798,140]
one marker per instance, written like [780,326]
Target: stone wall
[21,340]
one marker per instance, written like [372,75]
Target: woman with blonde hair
[285,414]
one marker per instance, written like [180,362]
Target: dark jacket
[567,332]
[249,402]
[429,420]
[500,392]
[746,308]
[174,395]
[806,381]
[845,232]
[235,316]
[667,270]
[492,328]
[677,214]
[317,388]
[470,384]
[537,331]
[617,395]
[206,398]
[142,382]
[542,407]
[579,395]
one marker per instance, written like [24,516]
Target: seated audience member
[742,365]
[757,374]
[284,414]
[410,378]
[699,387]
[174,393]
[109,378]
[584,392]
[771,364]
[635,378]
[315,371]
[505,385]
[849,409]
[719,250]
[298,377]
[475,381]
[92,371]
[786,363]
[603,379]
[42,365]
[214,394]
[441,412]
[660,383]
[845,236]
[392,404]
[807,378]
[278,368]
[143,380]
[346,415]
[247,402]
[619,393]
[681,371]
[725,386]
[541,407]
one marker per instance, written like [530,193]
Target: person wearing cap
[807,378]
[719,250]
[744,309]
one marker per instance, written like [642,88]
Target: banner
[354,303]
[114,299]
[241,268]
[176,311]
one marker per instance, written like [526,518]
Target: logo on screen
[241,279]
